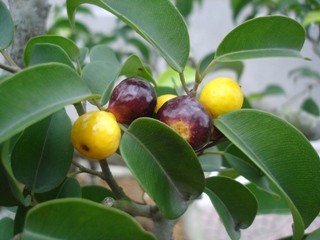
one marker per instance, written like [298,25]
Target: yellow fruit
[96,134]
[162,100]
[221,95]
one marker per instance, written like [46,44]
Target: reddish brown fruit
[188,117]
[132,98]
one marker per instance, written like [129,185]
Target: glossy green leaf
[159,22]
[10,192]
[42,155]
[133,66]
[310,106]
[270,90]
[47,52]
[236,66]
[270,36]
[311,17]
[96,193]
[235,204]
[35,93]
[243,165]
[6,27]
[162,162]
[82,220]
[267,203]
[283,154]
[210,162]
[315,235]
[70,187]
[100,77]
[6,228]
[103,53]
[170,78]
[66,44]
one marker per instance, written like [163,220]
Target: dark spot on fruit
[85,147]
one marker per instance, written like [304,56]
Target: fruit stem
[108,177]
[97,104]
[202,76]
[183,82]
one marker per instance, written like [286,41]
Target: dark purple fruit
[189,118]
[132,98]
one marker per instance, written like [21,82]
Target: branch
[8,68]
[87,170]
[107,176]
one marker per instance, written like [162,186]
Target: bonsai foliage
[36,149]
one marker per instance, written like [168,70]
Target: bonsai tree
[38,139]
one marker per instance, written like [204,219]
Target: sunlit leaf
[311,17]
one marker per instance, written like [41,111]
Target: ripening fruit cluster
[97,134]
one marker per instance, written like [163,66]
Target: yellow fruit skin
[221,95]
[96,135]
[162,100]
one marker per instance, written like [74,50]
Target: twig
[8,58]
[87,170]
[183,82]
[107,176]
[12,69]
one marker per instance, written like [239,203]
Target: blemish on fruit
[85,147]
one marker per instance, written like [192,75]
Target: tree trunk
[29,17]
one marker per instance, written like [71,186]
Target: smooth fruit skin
[132,98]
[96,135]
[221,95]
[162,100]
[189,118]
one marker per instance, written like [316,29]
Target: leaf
[170,78]
[96,193]
[269,36]
[144,50]
[270,90]
[311,17]
[35,93]
[235,204]
[283,154]
[134,67]
[100,77]
[159,22]
[103,53]
[6,27]
[243,165]
[66,44]
[47,52]
[11,195]
[210,162]
[304,72]
[84,220]
[6,227]
[70,187]
[310,106]
[267,203]
[42,156]
[163,163]
[237,6]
